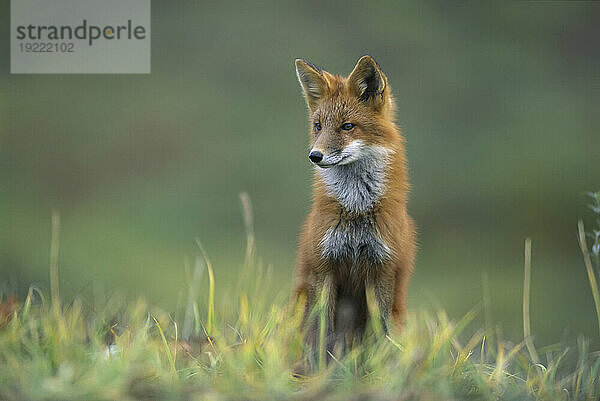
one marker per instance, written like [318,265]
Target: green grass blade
[590,270]
[211,290]
[165,344]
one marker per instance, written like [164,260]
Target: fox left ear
[368,82]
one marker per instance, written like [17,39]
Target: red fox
[358,237]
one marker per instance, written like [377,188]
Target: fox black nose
[315,156]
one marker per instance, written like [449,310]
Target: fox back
[358,237]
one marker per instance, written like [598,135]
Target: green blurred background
[499,105]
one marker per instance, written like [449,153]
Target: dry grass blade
[249,226]
[54,247]
[526,296]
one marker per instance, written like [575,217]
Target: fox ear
[368,82]
[312,81]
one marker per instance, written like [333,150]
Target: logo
[90,33]
[80,36]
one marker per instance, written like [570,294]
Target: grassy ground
[250,347]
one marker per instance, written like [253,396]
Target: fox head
[349,117]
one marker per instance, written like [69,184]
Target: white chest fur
[355,240]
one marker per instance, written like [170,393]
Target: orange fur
[363,99]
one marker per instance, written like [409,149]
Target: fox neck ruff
[359,185]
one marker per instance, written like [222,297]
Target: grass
[251,348]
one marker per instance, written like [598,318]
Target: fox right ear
[368,82]
[312,81]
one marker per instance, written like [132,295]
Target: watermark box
[80,36]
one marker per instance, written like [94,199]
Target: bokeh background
[499,105]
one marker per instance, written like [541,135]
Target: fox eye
[347,126]
[318,126]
